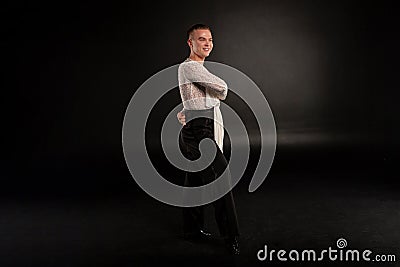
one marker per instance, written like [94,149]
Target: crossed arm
[197,74]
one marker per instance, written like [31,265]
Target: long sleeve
[194,72]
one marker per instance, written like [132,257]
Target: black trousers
[224,208]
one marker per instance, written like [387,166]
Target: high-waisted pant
[224,208]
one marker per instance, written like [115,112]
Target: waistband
[208,113]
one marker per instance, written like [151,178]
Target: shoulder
[188,65]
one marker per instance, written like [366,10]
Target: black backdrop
[328,69]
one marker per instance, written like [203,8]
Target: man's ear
[189,42]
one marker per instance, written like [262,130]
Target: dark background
[328,70]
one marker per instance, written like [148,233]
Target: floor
[295,209]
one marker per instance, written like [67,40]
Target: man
[201,92]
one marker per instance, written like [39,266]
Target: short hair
[197,26]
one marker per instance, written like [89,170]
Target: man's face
[201,42]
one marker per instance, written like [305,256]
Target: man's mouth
[206,49]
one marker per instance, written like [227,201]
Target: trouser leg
[193,217]
[224,208]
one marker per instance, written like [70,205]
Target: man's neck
[195,57]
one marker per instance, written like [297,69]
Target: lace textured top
[200,89]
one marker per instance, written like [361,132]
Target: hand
[181,118]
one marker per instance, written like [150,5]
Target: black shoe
[232,244]
[204,233]
[198,235]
